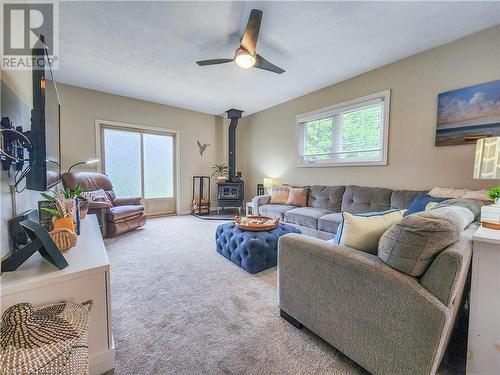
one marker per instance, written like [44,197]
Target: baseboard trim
[101,362]
[188,212]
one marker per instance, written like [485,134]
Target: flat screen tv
[45,156]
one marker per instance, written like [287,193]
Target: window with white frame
[349,133]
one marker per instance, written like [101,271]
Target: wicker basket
[64,238]
[50,339]
[84,205]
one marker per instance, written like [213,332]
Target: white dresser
[484,320]
[86,278]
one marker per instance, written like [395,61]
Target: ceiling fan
[245,56]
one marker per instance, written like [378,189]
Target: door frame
[100,124]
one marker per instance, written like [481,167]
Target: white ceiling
[147,50]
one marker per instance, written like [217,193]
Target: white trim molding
[177,140]
[330,111]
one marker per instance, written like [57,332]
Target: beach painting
[468,114]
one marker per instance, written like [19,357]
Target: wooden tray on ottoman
[256,223]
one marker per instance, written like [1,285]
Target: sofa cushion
[358,199]
[326,197]
[411,244]
[120,213]
[330,223]
[420,203]
[362,232]
[401,199]
[275,210]
[306,216]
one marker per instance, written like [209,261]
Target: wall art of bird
[202,147]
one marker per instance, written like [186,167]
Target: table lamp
[487,167]
[268,184]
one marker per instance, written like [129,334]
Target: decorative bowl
[256,223]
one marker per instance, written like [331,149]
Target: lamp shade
[487,162]
[268,182]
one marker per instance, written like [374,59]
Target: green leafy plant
[52,211]
[69,194]
[221,170]
[47,196]
[58,198]
[494,193]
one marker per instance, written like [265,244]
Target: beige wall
[414,161]
[81,107]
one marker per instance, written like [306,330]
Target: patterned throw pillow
[297,197]
[450,193]
[97,196]
[279,194]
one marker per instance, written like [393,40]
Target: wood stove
[230,194]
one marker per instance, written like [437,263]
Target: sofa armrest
[382,319]
[445,278]
[125,201]
[98,205]
[258,201]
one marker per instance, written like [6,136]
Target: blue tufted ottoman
[252,251]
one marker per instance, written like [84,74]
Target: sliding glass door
[141,163]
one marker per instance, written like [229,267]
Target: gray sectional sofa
[322,215]
[384,320]
[391,311]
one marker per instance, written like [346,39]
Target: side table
[483,351]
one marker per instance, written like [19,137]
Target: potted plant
[62,212]
[494,194]
[221,170]
[83,202]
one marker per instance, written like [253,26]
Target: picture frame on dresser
[35,238]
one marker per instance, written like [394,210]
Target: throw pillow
[411,245]
[482,195]
[474,205]
[452,193]
[97,196]
[420,202]
[439,192]
[297,197]
[279,194]
[363,231]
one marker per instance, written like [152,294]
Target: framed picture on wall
[468,114]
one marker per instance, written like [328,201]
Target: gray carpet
[181,308]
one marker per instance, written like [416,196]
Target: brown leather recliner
[116,216]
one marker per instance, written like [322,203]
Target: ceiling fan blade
[213,62]
[262,63]
[249,40]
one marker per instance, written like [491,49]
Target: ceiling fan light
[244,59]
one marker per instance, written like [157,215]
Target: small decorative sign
[44,217]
